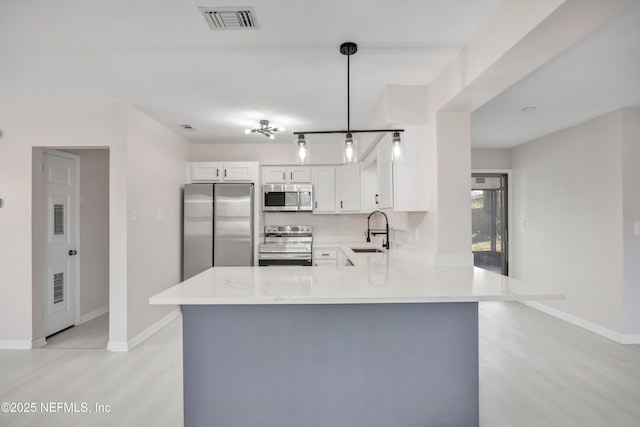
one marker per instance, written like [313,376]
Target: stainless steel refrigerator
[218,227]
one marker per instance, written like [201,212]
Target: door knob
[72,252]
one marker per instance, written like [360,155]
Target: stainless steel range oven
[286,245]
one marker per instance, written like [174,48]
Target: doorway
[489,222]
[87,254]
[62,230]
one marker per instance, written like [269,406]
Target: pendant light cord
[348,97]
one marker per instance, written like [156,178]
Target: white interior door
[60,203]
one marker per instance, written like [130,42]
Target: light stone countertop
[395,276]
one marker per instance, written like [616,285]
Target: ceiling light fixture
[529,109]
[265,129]
[350,152]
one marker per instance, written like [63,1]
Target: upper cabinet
[205,172]
[384,197]
[337,189]
[402,186]
[286,174]
[240,171]
[324,189]
[222,171]
[348,188]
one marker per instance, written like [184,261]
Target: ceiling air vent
[230,18]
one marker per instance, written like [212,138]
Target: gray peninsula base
[340,365]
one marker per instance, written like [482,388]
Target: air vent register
[230,18]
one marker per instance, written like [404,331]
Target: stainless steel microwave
[287,197]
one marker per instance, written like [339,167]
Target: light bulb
[272,136]
[396,147]
[247,131]
[301,150]
[349,149]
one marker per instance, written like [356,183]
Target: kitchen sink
[366,250]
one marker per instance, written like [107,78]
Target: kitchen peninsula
[389,341]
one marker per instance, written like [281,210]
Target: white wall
[490,158]
[64,127]
[568,192]
[38,245]
[146,170]
[268,152]
[631,216]
[156,165]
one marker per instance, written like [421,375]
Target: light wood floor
[93,334]
[535,371]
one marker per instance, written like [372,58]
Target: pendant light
[301,151]
[349,148]
[349,151]
[396,147]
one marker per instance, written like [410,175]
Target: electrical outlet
[637,228]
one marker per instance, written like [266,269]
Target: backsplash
[352,225]
[346,227]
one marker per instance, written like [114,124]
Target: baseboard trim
[40,342]
[119,346]
[15,345]
[93,314]
[585,324]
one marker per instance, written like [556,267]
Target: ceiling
[599,74]
[162,57]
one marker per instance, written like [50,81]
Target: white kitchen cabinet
[324,189]
[274,175]
[286,174]
[299,174]
[238,171]
[410,177]
[330,256]
[206,172]
[348,187]
[400,186]
[222,171]
[384,196]
[369,186]
[321,262]
[325,257]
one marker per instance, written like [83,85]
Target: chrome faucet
[371,232]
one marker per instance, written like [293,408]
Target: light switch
[637,228]
[82,199]
[160,215]
[133,217]
[522,223]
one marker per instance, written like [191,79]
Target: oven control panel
[288,229]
